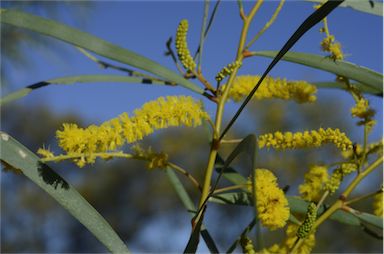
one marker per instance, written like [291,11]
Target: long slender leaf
[368,77]
[18,156]
[194,239]
[229,173]
[337,85]
[248,146]
[76,79]
[92,43]
[297,205]
[369,218]
[188,204]
[367,6]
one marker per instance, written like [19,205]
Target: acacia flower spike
[271,203]
[310,218]
[306,139]
[182,47]
[227,70]
[299,91]
[314,180]
[113,134]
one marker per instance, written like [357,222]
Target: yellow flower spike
[162,113]
[155,160]
[362,109]
[348,167]
[247,245]
[310,218]
[378,204]
[334,181]
[182,47]
[314,180]
[285,248]
[45,153]
[299,91]
[305,248]
[271,203]
[226,71]
[305,139]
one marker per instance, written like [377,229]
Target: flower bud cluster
[182,47]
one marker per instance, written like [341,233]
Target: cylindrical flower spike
[310,218]
[227,70]
[271,203]
[314,181]
[113,134]
[182,47]
[247,245]
[299,91]
[378,204]
[306,139]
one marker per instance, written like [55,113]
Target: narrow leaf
[92,43]
[297,205]
[194,239]
[363,88]
[188,204]
[248,146]
[367,6]
[368,77]
[77,79]
[18,156]
[229,173]
[369,218]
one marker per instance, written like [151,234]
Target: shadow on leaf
[51,177]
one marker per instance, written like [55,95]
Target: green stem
[233,187]
[185,173]
[220,109]
[267,25]
[357,199]
[364,156]
[79,155]
[361,176]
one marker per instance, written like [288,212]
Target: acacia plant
[321,196]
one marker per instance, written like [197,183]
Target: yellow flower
[307,244]
[299,91]
[247,245]
[182,47]
[314,180]
[334,181]
[328,44]
[378,204]
[338,174]
[155,160]
[271,203]
[226,71]
[362,109]
[286,246]
[306,139]
[45,153]
[348,167]
[310,218]
[113,134]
